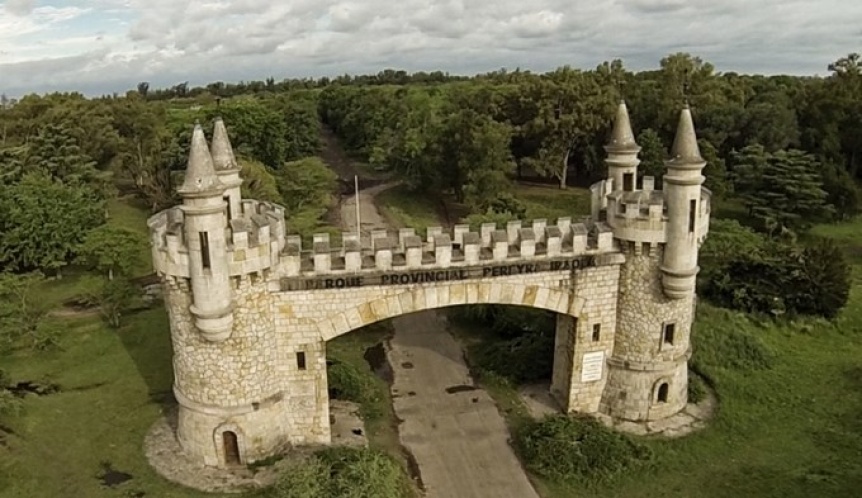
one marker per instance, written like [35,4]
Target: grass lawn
[408,209]
[550,202]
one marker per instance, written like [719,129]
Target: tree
[113,250]
[652,155]
[783,191]
[43,222]
[56,153]
[143,89]
[258,183]
[306,188]
[22,315]
[824,280]
[113,297]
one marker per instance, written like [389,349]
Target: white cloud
[109,45]
[19,7]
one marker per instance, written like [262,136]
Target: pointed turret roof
[200,174]
[685,149]
[222,152]
[622,136]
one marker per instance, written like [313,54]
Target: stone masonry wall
[642,360]
[239,371]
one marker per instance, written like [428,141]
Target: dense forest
[786,149]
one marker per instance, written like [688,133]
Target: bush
[746,271]
[347,382]
[565,448]
[696,388]
[340,472]
[523,359]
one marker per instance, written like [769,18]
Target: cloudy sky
[98,46]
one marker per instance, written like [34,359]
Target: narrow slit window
[628,182]
[229,214]
[692,214]
[300,360]
[669,331]
[597,332]
[205,250]
[662,393]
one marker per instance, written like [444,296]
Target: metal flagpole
[358,216]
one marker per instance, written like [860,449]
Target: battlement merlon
[533,240]
[255,240]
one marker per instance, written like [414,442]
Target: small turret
[227,169]
[682,189]
[203,208]
[622,152]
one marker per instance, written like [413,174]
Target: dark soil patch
[460,389]
[112,478]
[408,365]
[375,356]
[22,389]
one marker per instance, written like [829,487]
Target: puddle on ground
[112,478]
[460,389]
[407,365]
[375,356]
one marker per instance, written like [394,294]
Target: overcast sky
[102,46]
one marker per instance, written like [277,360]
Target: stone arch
[219,437]
[423,298]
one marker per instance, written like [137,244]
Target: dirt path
[451,427]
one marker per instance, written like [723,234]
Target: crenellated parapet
[641,216]
[517,241]
[255,240]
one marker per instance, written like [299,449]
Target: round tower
[682,189]
[204,220]
[216,254]
[647,377]
[622,160]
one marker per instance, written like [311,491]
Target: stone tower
[215,253]
[659,232]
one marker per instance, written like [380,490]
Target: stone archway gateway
[251,309]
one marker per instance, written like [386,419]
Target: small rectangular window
[692,215]
[597,332]
[300,360]
[669,331]
[205,250]
[628,182]
[229,214]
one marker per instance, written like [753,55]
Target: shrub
[565,448]
[696,388]
[745,271]
[523,359]
[349,383]
[305,478]
[340,472]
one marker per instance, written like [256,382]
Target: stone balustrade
[404,249]
[255,240]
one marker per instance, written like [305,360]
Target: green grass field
[791,430]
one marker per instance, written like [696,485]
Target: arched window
[231,448]
[662,393]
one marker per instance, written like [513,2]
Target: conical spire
[222,152]
[622,136]
[200,173]
[685,149]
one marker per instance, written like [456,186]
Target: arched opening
[661,397]
[231,448]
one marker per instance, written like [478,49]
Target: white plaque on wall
[592,366]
